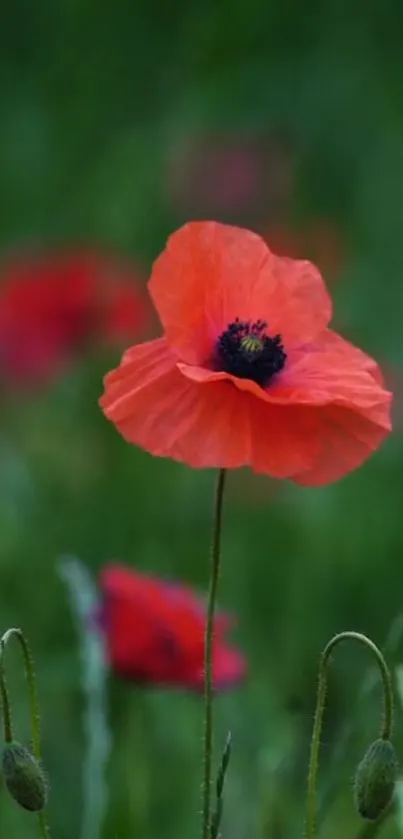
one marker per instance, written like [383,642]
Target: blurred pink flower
[54,303]
[228,173]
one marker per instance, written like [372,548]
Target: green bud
[375,779]
[24,777]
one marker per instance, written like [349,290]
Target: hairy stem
[386,725]
[208,649]
[33,704]
[5,703]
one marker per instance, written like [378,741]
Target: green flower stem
[43,825]
[387,716]
[33,704]
[31,682]
[208,649]
[5,704]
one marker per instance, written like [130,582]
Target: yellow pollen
[251,343]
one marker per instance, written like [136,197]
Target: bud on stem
[366,776]
[23,774]
[375,779]
[24,777]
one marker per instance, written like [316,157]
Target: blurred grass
[94,103]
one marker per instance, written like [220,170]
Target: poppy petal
[155,632]
[229,668]
[54,304]
[129,633]
[346,439]
[331,371]
[330,341]
[120,581]
[210,274]
[141,644]
[159,409]
[354,422]
[284,435]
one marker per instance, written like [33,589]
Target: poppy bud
[375,779]
[24,777]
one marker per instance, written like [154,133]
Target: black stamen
[244,350]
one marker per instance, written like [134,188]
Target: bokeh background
[118,123]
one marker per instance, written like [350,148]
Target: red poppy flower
[52,304]
[248,372]
[154,632]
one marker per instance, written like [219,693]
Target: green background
[99,106]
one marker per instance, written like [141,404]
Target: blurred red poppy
[52,304]
[248,372]
[154,632]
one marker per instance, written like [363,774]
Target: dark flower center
[244,350]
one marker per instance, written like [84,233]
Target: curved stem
[6,705]
[30,677]
[208,649]
[387,716]
[33,704]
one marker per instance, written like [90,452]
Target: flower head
[247,372]
[50,305]
[154,632]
